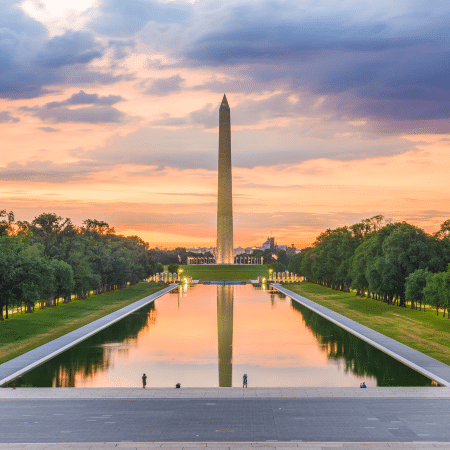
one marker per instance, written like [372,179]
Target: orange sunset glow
[180,343]
[110,112]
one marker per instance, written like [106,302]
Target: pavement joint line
[313,307]
[27,368]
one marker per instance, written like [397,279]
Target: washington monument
[224,254]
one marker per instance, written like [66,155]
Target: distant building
[291,250]
[202,250]
[269,244]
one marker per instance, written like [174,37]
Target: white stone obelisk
[224,252]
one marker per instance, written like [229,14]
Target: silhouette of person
[144,381]
[244,380]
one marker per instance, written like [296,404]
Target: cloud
[5,117]
[73,47]
[165,86]
[207,116]
[121,19]
[81,98]
[192,147]
[88,114]
[50,129]
[121,47]
[31,61]
[46,171]
[171,122]
[101,110]
[186,148]
[385,62]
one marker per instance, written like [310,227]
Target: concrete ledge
[225,393]
[418,361]
[24,363]
[232,445]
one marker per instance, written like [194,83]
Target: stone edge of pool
[29,393]
[424,364]
[24,363]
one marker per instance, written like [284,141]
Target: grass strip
[24,332]
[423,331]
[209,272]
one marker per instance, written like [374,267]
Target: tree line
[391,262]
[50,258]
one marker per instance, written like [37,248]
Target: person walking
[144,381]
[244,381]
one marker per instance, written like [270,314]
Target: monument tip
[224,104]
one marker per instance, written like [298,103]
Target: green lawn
[423,331]
[23,332]
[219,272]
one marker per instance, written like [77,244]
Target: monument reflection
[225,295]
[199,335]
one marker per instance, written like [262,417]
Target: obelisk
[224,252]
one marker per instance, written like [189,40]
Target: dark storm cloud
[120,19]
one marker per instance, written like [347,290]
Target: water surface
[206,336]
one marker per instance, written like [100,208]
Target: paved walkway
[24,363]
[233,445]
[200,421]
[424,364]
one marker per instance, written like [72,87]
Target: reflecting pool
[210,335]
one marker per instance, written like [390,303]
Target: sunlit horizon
[109,111]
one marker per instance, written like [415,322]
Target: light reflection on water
[207,336]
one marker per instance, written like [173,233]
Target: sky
[339,110]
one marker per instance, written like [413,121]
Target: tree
[283,258]
[295,263]
[415,285]
[6,223]
[434,291]
[406,250]
[173,268]
[64,282]
[50,230]
[277,267]
[22,273]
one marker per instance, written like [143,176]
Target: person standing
[144,381]
[244,381]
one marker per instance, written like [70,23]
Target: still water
[209,335]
